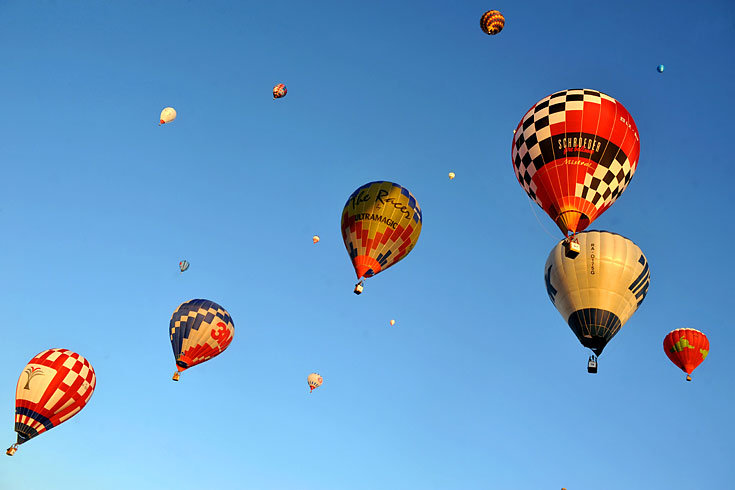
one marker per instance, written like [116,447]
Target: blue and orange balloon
[199,329]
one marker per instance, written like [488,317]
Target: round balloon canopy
[54,386]
[199,330]
[687,348]
[168,114]
[574,153]
[660,68]
[381,223]
[492,22]
[598,291]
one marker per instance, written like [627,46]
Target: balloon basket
[11,450]
[358,288]
[176,376]
[689,378]
[592,365]
[571,247]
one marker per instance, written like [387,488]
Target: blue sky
[480,385]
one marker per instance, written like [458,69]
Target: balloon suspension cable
[11,450]
[539,221]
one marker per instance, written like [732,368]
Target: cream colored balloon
[451,175]
[599,290]
[167,115]
[315,238]
[392,322]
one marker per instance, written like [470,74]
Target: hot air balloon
[392,322]
[183,265]
[167,115]
[492,22]
[686,348]
[279,91]
[54,386]
[315,381]
[574,153]
[598,292]
[451,175]
[199,329]
[315,239]
[381,223]
[660,68]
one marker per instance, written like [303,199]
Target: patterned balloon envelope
[597,292]
[54,386]
[183,265]
[687,348]
[574,153]
[381,223]
[200,329]
[279,91]
[315,380]
[492,22]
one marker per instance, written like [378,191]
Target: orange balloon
[687,348]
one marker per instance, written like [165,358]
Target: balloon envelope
[574,153]
[315,238]
[492,22]
[199,330]
[167,115]
[279,91]
[451,175]
[54,386]
[599,290]
[660,68]
[687,348]
[381,223]
[183,265]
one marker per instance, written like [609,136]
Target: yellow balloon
[451,175]
[392,322]
[315,238]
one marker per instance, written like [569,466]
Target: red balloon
[574,153]
[686,348]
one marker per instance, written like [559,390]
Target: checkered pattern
[279,91]
[373,244]
[55,385]
[199,330]
[583,126]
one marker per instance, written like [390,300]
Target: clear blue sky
[480,385]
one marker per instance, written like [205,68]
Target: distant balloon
[687,348]
[660,68]
[183,265]
[492,22]
[451,175]
[199,329]
[167,115]
[381,223]
[315,381]
[392,322]
[279,91]
[315,238]
[597,292]
[54,386]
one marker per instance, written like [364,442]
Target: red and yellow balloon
[687,348]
